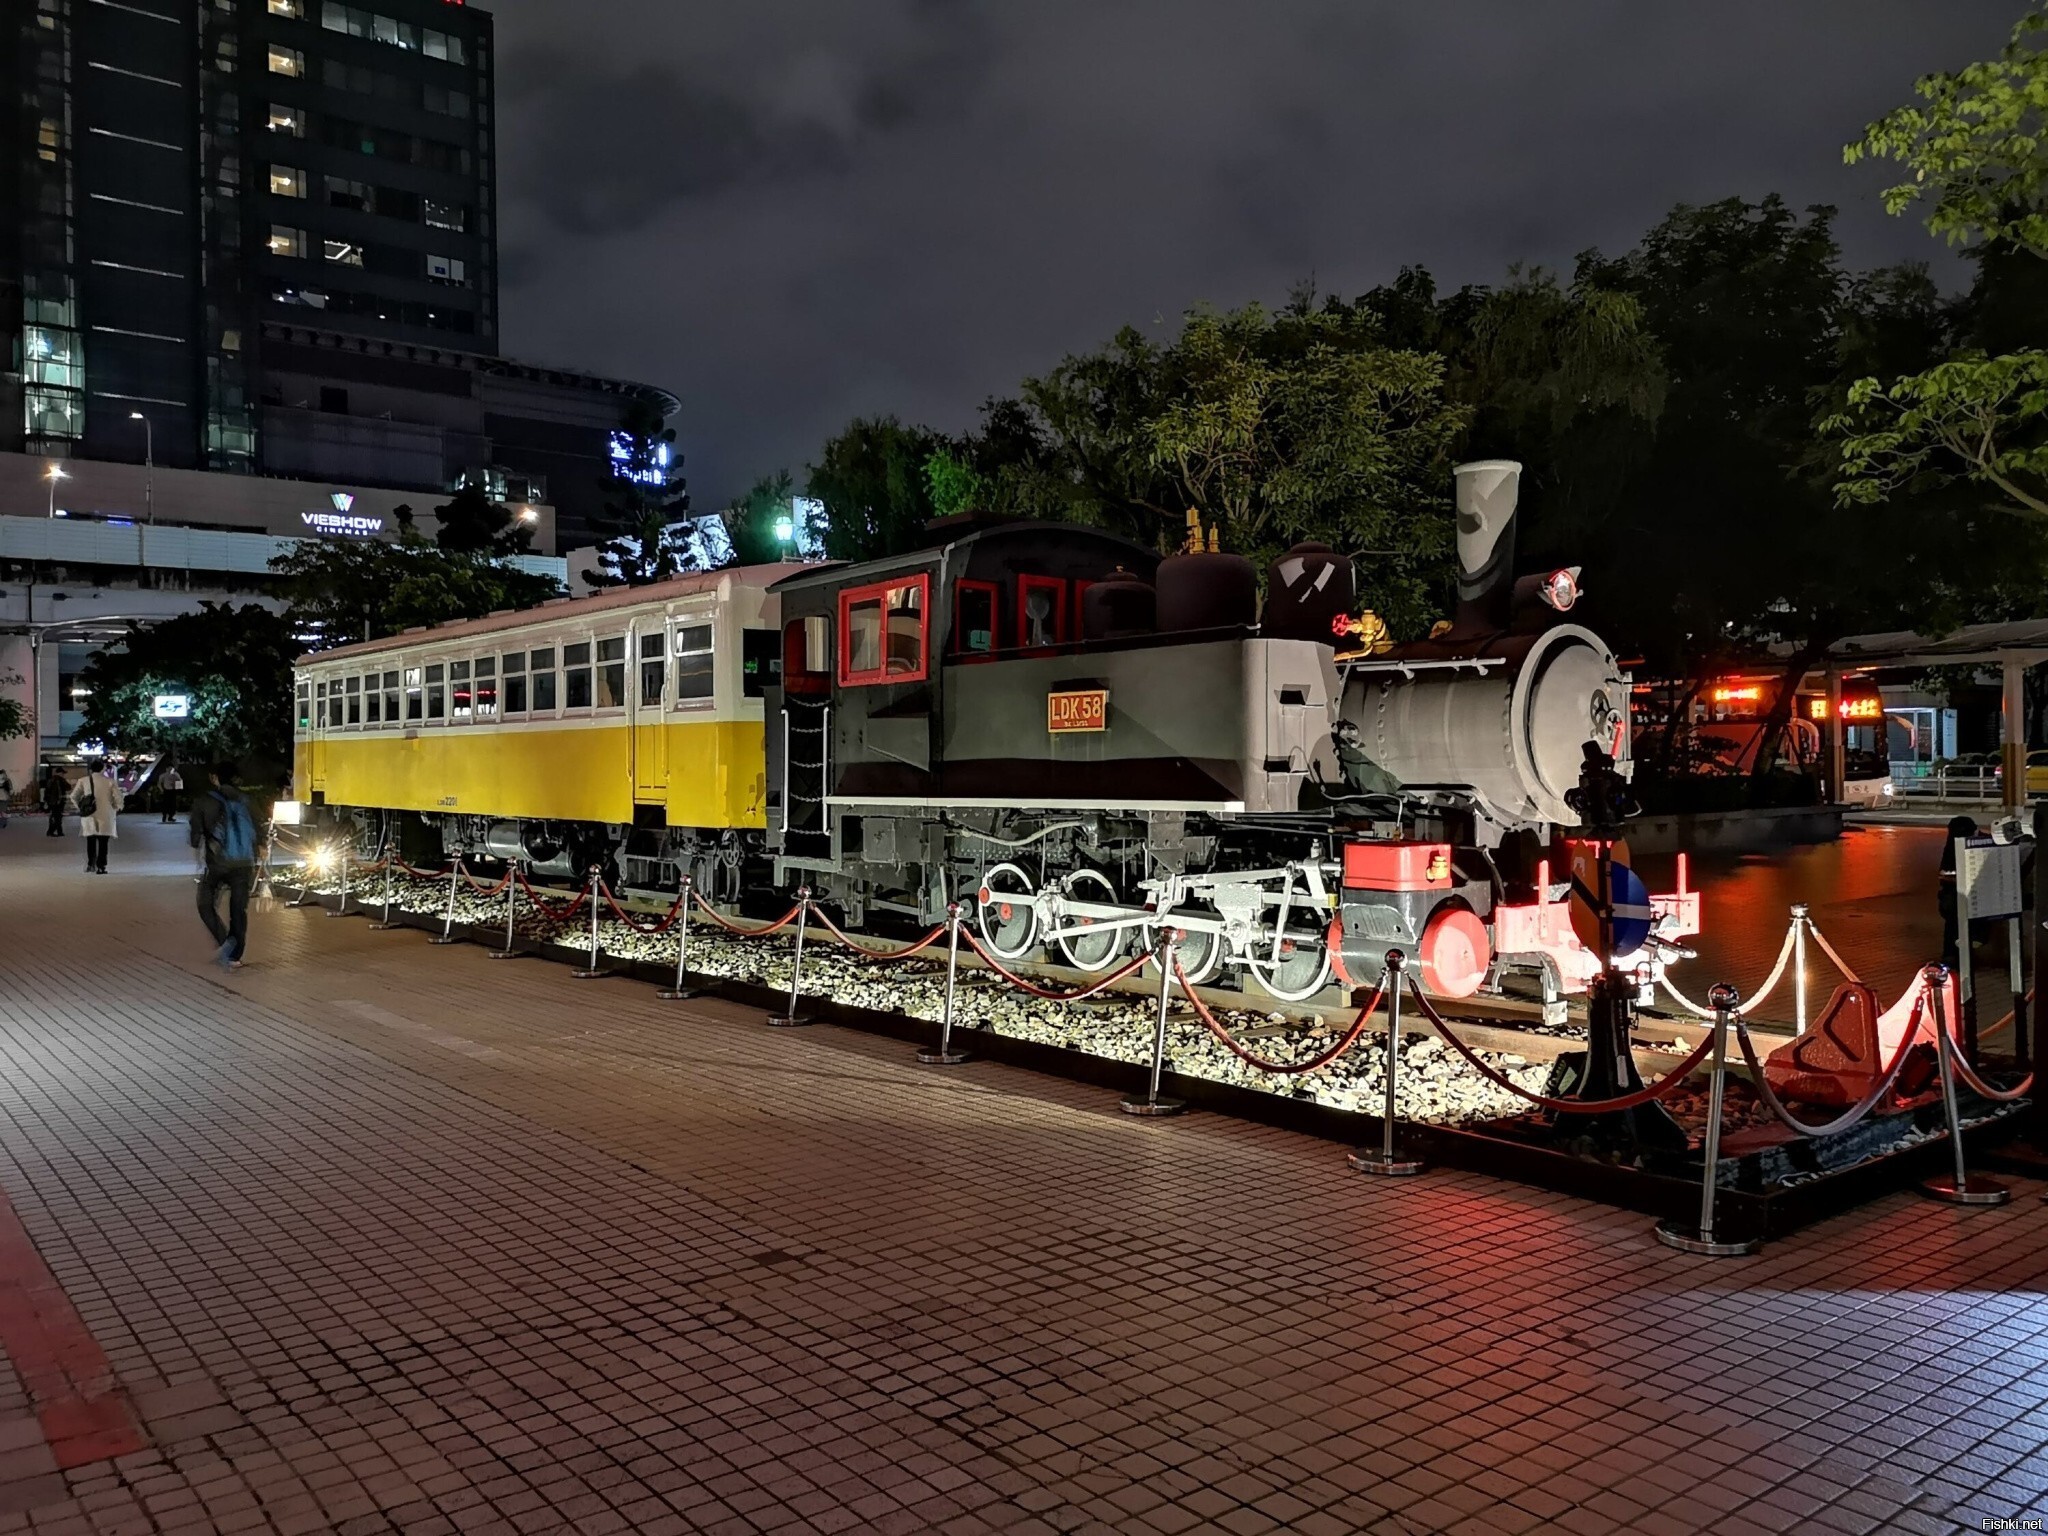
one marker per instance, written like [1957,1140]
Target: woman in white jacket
[97,824]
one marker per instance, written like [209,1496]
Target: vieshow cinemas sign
[343,521]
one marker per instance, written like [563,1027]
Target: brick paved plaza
[374,1236]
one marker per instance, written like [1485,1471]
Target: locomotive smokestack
[1487,491]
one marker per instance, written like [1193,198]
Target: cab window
[882,633]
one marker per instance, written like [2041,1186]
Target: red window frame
[880,590]
[995,618]
[1058,588]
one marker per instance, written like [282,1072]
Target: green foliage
[954,484]
[871,480]
[647,539]
[1977,154]
[234,664]
[1976,146]
[471,523]
[1983,414]
[345,590]
[13,719]
[750,521]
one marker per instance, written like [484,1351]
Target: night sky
[791,212]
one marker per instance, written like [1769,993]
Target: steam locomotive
[1082,739]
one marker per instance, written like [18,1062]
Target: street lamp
[53,475]
[148,466]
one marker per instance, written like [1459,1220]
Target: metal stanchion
[789,1018]
[1702,1239]
[1386,1160]
[447,933]
[1152,1104]
[596,968]
[945,1055]
[509,952]
[305,878]
[1960,1187]
[1798,968]
[384,921]
[341,907]
[678,992]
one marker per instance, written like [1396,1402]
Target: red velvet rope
[1037,991]
[863,952]
[1660,1089]
[546,908]
[1985,1090]
[488,890]
[1315,1064]
[662,926]
[418,874]
[741,928]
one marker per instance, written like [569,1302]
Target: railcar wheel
[1091,951]
[1199,951]
[1005,912]
[1302,971]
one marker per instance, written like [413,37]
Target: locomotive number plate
[1077,709]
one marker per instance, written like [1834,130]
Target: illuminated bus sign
[1869,707]
[1746,693]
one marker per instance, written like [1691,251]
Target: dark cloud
[793,211]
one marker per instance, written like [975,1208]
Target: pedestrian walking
[97,800]
[56,795]
[170,784]
[224,832]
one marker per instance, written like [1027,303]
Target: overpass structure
[70,588]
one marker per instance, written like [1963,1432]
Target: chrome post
[1152,1105]
[447,933]
[511,913]
[945,1055]
[1799,968]
[595,969]
[305,878]
[1960,1187]
[341,907]
[1386,1160]
[678,992]
[789,1018]
[1701,1239]
[384,921]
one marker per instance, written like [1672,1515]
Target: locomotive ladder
[806,781]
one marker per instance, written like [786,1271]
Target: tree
[13,719]
[1977,148]
[647,539]
[343,590]
[232,665]
[760,525]
[471,523]
[870,480]
[954,484]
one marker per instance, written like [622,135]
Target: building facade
[260,236]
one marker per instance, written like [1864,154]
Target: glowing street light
[54,474]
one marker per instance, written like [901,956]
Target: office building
[260,236]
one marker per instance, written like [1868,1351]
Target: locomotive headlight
[318,858]
[287,813]
[1560,588]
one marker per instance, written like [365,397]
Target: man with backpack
[223,829]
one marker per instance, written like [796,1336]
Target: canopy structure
[2012,648]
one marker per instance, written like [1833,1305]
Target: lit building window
[287,242]
[287,61]
[444,215]
[346,252]
[291,8]
[287,181]
[287,120]
[446,269]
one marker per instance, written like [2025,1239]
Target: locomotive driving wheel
[1005,913]
[1091,951]
[1302,970]
[1199,951]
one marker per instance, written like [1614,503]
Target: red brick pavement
[381,1237]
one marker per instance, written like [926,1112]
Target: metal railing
[166,546]
[1942,781]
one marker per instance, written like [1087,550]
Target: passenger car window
[611,673]
[541,672]
[576,676]
[882,633]
[514,673]
[653,670]
[694,672]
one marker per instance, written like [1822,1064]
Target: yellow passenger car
[636,708]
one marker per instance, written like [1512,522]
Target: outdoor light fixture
[528,515]
[785,530]
[53,475]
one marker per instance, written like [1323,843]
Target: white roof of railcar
[567,608]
